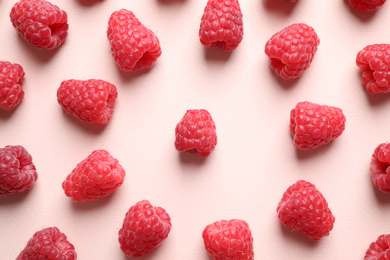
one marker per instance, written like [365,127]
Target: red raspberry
[312,125]
[48,244]
[374,62]
[17,172]
[292,50]
[91,101]
[229,239]
[379,250]
[304,208]
[133,46]
[41,23]
[96,176]
[196,132]
[366,5]
[379,168]
[144,228]
[221,24]
[11,92]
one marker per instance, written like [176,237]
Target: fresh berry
[48,244]
[41,23]
[366,5]
[380,249]
[91,101]
[17,171]
[292,50]
[304,208]
[11,92]
[229,239]
[144,228]
[379,167]
[133,46]
[96,176]
[221,25]
[312,125]
[374,62]
[196,132]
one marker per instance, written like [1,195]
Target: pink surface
[254,161]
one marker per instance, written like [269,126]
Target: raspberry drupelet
[292,50]
[221,24]
[11,92]
[133,46]
[380,249]
[196,133]
[380,167]
[366,5]
[41,23]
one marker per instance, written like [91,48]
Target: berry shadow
[377,99]
[41,55]
[297,237]
[382,198]
[284,7]
[188,158]
[307,154]
[15,198]
[129,76]
[286,84]
[91,128]
[216,54]
[171,2]
[91,205]
[361,16]
[6,114]
[89,2]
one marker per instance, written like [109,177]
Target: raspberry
[379,167]
[292,50]
[221,25]
[11,93]
[41,23]
[312,125]
[379,249]
[17,172]
[304,208]
[374,62]
[366,5]
[96,176]
[196,132]
[48,244]
[144,228]
[133,46]
[229,239]
[91,101]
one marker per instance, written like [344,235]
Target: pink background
[254,161]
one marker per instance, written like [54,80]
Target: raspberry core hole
[57,29]
[220,44]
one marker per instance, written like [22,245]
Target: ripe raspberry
[312,125]
[366,5]
[91,101]
[374,62]
[48,244]
[196,132]
[144,228]
[41,23]
[292,50]
[133,46]
[379,168]
[304,208]
[11,92]
[229,239]
[221,25]
[379,250]
[17,172]
[96,176]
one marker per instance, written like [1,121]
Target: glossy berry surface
[48,244]
[196,132]
[221,24]
[292,50]
[380,167]
[312,125]
[380,249]
[133,46]
[366,5]
[374,63]
[91,101]
[17,171]
[11,92]
[96,176]
[144,228]
[41,23]
[229,239]
[304,208]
